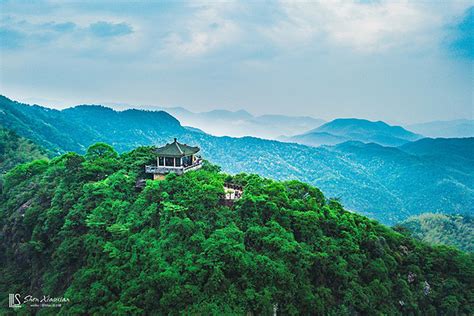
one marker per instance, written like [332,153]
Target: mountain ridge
[447,129]
[374,180]
[239,123]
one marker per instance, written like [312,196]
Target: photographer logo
[14,300]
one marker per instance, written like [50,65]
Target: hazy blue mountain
[315,139]
[342,130]
[458,147]
[360,127]
[239,123]
[456,152]
[194,129]
[386,183]
[227,115]
[295,123]
[449,129]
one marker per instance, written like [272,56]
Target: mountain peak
[90,107]
[355,122]
[354,129]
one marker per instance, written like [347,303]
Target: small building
[232,192]
[174,158]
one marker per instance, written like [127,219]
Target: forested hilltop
[386,183]
[76,226]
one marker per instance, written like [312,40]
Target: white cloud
[364,27]
[205,30]
[312,58]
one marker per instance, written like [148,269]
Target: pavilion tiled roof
[176,149]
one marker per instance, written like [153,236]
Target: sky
[398,61]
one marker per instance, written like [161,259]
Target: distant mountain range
[308,130]
[343,130]
[449,129]
[385,183]
[240,123]
[457,152]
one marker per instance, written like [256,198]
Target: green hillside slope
[454,230]
[417,184]
[76,227]
[15,150]
[74,129]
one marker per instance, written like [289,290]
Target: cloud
[241,30]
[463,40]
[11,39]
[23,35]
[307,57]
[61,27]
[371,26]
[107,29]
[206,30]
[72,38]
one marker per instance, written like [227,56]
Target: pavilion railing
[178,170]
[196,165]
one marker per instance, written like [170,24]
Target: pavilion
[174,158]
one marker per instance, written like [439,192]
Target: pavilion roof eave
[176,149]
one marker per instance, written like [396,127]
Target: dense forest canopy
[386,183]
[77,226]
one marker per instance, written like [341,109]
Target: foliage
[79,228]
[15,150]
[453,230]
